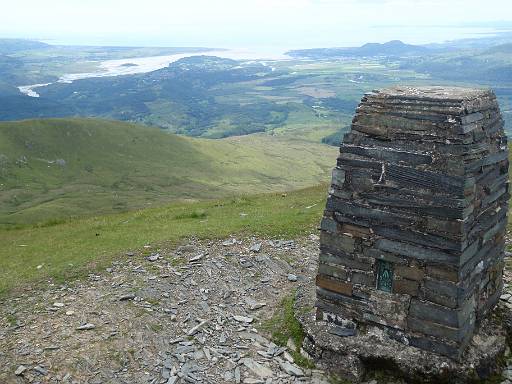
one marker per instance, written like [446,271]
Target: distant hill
[491,66]
[391,48]
[502,48]
[14,45]
[483,41]
[57,168]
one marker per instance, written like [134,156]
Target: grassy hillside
[55,168]
[75,248]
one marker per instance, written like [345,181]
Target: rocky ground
[193,314]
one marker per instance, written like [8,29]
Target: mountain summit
[391,48]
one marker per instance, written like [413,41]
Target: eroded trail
[196,313]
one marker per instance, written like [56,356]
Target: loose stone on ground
[164,321]
[193,314]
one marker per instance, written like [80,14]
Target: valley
[309,94]
[59,168]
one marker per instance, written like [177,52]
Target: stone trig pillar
[412,238]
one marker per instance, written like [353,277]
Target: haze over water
[347,37]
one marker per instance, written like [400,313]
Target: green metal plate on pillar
[384,276]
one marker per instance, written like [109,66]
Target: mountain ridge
[14,45]
[390,48]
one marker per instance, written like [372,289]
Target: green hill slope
[78,247]
[56,168]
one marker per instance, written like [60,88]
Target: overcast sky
[227,23]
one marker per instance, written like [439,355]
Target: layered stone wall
[412,237]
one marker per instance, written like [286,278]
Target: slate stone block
[409,272]
[337,242]
[352,209]
[442,272]
[355,230]
[345,260]
[420,238]
[338,177]
[363,278]
[386,256]
[339,299]
[334,285]
[328,225]
[440,314]
[390,155]
[406,287]
[445,293]
[339,272]
[416,252]
[437,330]
[411,177]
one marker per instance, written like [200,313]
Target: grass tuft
[197,214]
[284,326]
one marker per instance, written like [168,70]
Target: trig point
[412,238]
